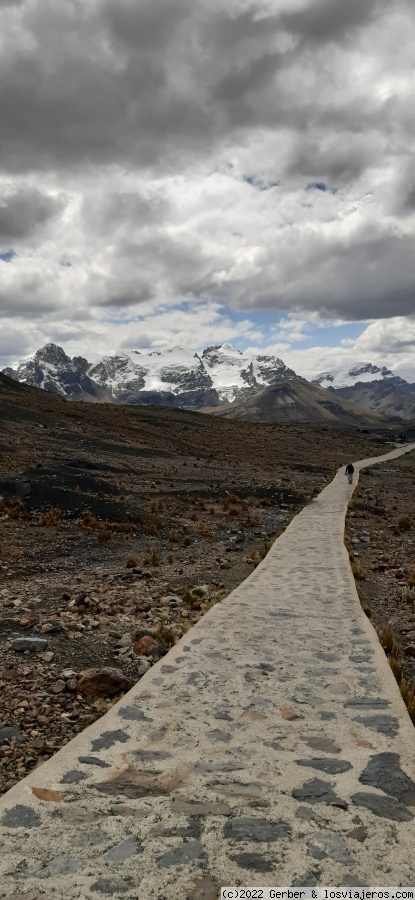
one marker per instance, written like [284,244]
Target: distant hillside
[297,400]
[385,398]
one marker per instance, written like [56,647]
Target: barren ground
[138,520]
[381,528]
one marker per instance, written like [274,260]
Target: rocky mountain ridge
[219,376]
[173,377]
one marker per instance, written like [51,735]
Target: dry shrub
[174,537]
[155,557]
[127,528]
[410,579]
[170,558]
[130,562]
[150,529]
[234,511]
[255,558]
[204,529]
[104,532]
[188,597]
[187,541]
[396,668]
[368,611]
[88,520]
[357,570]
[408,697]
[388,642]
[12,507]
[53,517]
[165,636]
[266,548]
[404,524]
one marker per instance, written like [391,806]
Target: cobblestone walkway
[270,746]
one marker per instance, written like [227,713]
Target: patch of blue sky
[259,183]
[278,327]
[7,255]
[320,186]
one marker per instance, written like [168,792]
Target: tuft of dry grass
[357,570]
[408,697]
[165,636]
[404,524]
[104,532]
[388,642]
[53,517]
[12,507]
[151,529]
[155,557]
[88,521]
[131,562]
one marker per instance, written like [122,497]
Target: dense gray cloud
[252,155]
[24,209]
[332,20]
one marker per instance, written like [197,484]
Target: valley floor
[137,522]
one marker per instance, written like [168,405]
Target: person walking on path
[349,472]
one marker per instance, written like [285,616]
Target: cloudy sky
[191,171]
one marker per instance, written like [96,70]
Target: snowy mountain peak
[53,355]
[352,373]
[178,375]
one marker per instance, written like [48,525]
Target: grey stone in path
[271,746]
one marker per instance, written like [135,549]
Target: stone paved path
[270,746]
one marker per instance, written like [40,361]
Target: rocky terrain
[380,531]
[119,527]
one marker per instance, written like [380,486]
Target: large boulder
[102,682]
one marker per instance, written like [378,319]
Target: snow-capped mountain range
[358,373]
[182,377]
[176,377]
